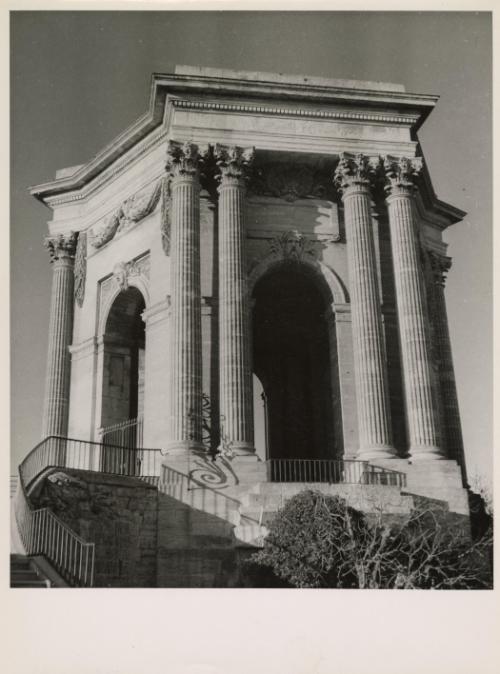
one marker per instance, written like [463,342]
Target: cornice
[225,107]
[163,85]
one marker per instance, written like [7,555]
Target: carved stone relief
[165,225]
[122,273]
[131,211]
[292,246]
[291,182]
[80,268]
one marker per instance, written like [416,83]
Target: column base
[180,447]
[425,454]
[377,452]
[243,449]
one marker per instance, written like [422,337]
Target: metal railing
[86,455]
[332,471]
[127,433]
[41,531]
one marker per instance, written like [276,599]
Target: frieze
[80,268]
[291,182]
[132,210]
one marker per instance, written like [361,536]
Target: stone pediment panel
[131,211]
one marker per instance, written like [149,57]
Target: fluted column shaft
[185,313]
[454,441]
[422,421]
[370,367]
[57,383]
[236,393]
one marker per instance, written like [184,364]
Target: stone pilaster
[185,317]
[440,265]
[352,176]
[236,395]
[422,421]
[62,250]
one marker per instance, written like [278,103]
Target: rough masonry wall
[118,514]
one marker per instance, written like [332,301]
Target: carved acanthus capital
[400,173]
[234,162]
[61,246]
[182,160]
[354,170]
[440,266]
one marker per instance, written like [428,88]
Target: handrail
[128,433]
[41,531]
[334,471]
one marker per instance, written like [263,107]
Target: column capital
[354,171]
[440,266]
[400,174]
[61,246]
[182,159]
[234,162]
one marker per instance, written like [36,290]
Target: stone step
[24,574]
[29,583]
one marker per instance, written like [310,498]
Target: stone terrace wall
[118,514]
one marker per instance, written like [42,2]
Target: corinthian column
[440,265]
[352,176]
[185,315]
[422,420]
[236,395]
[62,255]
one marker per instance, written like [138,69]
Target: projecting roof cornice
[208,89]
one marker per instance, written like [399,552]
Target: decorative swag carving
[131,211]
[80,268]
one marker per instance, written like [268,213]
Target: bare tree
[318,540]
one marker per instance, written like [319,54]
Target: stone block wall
[119,514]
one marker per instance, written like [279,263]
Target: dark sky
[80,78]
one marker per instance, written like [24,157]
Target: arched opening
[123,373]
[291,344]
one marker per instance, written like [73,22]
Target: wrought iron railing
[127,433]
[41,531]
[332,471]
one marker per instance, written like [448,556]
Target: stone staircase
[25,573]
